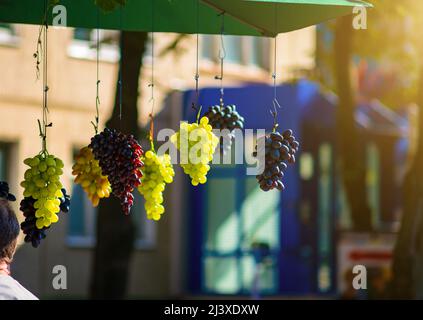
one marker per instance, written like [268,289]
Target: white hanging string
[95,123]
[275,101]
[151,84]
[42,46]
[222,56]
[197,74]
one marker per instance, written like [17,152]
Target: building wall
[156,271]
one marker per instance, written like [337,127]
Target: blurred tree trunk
[407,280]
[351,160]
[115,231]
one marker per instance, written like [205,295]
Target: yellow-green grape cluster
[158,171]
[42,182]
[89,175]
[196,143]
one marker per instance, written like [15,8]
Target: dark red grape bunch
[34,235]
[4,192]
[225,118]
[119,155]
[279,149]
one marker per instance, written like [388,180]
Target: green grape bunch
[197,144]
[158,171]
[42,182]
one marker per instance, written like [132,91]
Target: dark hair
[9,231]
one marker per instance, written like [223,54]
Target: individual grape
[34,234]
[119,156]
[42,183]
[278,149]
[225,118]
[200,137]
[89,175]
[157,172]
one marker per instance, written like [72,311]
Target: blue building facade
[300,225]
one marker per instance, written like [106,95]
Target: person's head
[9,231]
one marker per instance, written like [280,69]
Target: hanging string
[151,84]
[38,52]
[97,99]
[197,74]
[275,102]
[222,56]
[121,63]
[195,105]
[43,45]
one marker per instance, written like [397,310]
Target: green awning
[242,17]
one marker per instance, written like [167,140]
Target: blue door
[234,214]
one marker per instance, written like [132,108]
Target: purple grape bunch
[226,117]
[119,156]
[34,235]
[280,150]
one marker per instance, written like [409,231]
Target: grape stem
[43,135]
[199,114]
[151,134]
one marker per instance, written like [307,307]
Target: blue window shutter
[76,216]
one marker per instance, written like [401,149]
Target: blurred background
[353,198]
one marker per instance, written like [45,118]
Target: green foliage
[391,41]
[109,5]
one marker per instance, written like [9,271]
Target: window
[207,47]
[149,50]
[82,221]
[232,228]
[4,154]
[373,183]
[258,52]
[8,35]
[84,44]
[247,51]
[324,220]
[342,207]
[82,34]
[233,49]
[306,166]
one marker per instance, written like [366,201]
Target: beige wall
[72,81]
